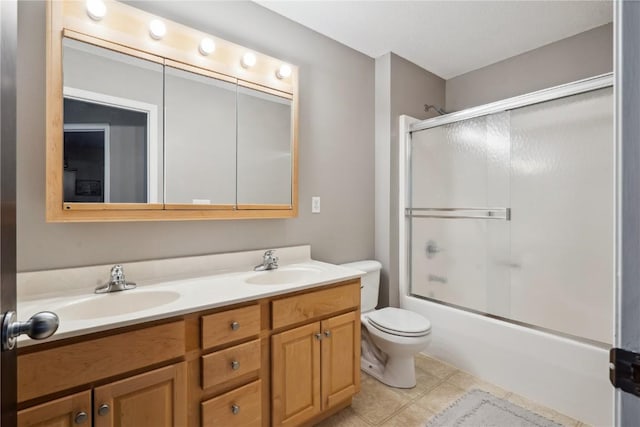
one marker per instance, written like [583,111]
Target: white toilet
[391,337]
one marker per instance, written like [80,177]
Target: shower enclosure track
[573,88]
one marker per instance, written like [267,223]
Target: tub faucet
[116,283]
[269,262]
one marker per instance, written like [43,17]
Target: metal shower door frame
[409,125]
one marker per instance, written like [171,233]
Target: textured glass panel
[462,261]
[449,165]
[562,214]
[448,261]
[200,139]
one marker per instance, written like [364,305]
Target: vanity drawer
[239,407]
[300,308]
[231,325]
[230,363]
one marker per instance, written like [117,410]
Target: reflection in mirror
[112,126]
[200,115]
[264,148]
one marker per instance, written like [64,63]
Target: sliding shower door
[511,214]
[458,208]
[562,229]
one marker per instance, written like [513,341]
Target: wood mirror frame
[125,29]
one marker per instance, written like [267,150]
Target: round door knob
[235,365]
[104,409]
[327,333]
[235,326]
[235,409]
[81,417]
[318,337]
[40,326]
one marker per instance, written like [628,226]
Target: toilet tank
[370,283]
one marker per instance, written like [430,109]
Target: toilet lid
[397,321]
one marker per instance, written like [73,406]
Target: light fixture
[207,46]
[248,60]
[96,9]
[283,72]
[157,29]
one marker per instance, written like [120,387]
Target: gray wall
[583,55]
[336,151]
[401,88]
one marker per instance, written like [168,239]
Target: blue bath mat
[478,408]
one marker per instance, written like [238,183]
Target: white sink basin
[114,304]
[284,276]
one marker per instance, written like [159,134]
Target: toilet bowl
[391,337]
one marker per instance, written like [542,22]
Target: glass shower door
[458,214]
[511,214]
[562,199]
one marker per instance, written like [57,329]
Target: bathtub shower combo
[507,241]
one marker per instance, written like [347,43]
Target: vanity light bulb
[96,9]
[207,46]
[283,72]
[248,60]
[157,29]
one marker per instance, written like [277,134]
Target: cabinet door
[68,411]
[157,398]
[340,358]
[295,376]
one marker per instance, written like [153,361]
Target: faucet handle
[117,273]
[269,253]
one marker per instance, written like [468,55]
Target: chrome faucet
[269,262]
[116,283]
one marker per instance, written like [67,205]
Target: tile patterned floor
[438,385]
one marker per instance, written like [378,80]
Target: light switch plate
[315,204]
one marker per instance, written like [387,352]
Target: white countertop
[177,296]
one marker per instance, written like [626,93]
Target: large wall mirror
[150,131]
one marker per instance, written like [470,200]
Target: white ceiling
[448,38]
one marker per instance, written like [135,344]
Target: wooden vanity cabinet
[288,360]
[108,366]
[68,411]
[315,368]
[231,367]
[157,398]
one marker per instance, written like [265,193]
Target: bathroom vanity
[249,352]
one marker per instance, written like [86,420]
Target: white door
[627,86]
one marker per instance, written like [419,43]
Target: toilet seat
[399,322]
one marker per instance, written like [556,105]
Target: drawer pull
[235,409]
[235,365]
[103,409]
[327,333]
[235,326]
[81,417]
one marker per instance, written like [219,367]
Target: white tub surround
[167,288]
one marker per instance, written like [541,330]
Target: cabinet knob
[103,409]
[235,325]
[318,337]
[235,409]
[81,417]
[235,365]
[327,333]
